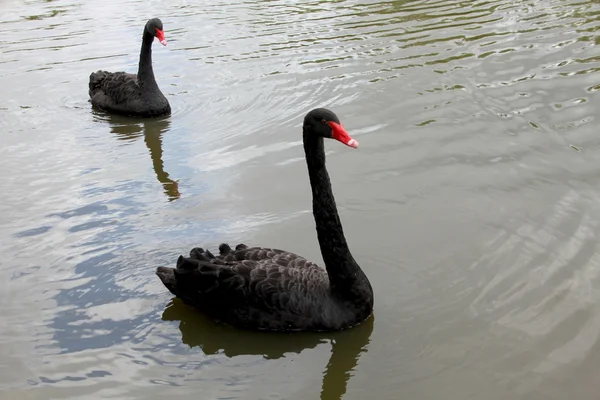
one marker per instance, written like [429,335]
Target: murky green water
[473,203]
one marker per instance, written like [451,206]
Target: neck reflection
[152,130]
[213,338]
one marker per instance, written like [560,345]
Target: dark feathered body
[131,94]
[266,289]
[270,289]
[122,93]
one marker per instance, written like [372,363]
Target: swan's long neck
[341,266]
[145,72]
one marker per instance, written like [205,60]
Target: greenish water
[472,203]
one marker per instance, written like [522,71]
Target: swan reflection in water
[199,331]
[130,129]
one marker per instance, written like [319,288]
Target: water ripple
[471,203]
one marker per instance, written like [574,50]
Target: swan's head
[324,123]
[155,28]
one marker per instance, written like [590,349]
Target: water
[472,203]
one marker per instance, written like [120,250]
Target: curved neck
[341,266]
[145,72]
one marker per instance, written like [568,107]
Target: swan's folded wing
[263,255]
[120,86]
[263,285]
[273,256]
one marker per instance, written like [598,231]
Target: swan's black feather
[131,94]
[255,287]
[119,87]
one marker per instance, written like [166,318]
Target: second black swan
[275,290]
[130,94]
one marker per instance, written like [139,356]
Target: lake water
[473,203]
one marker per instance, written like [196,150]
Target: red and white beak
[339,133]
[161,36]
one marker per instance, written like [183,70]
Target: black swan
[129,94]
[275,290]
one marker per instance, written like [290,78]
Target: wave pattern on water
[477,169]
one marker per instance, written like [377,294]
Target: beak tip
[353,143]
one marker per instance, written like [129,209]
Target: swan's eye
[324,122]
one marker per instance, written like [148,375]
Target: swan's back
[120,87]
[117,92]
[259,288]
[122,93]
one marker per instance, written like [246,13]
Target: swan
[129,94]
[269,289]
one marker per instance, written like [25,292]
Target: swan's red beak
[161,36]
[339,133]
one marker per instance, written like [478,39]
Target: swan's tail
[199,272]
[185,266]
[189,279]
[167,276]
[96,79]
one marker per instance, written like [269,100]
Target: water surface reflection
[212,338]
[472,204]
[153,131]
